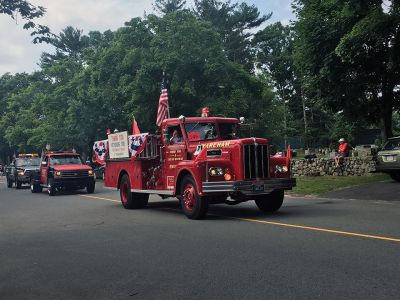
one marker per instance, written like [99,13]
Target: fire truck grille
[255,161]
[74,173]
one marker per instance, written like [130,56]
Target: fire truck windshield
[201,131]
[229,131]
[65,160]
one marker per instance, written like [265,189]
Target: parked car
[388,159]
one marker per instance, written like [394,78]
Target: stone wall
[325,166]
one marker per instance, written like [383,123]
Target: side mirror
[166,136]
[87,162]
[44,163]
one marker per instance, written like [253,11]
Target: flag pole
[165,86]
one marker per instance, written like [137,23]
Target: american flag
[162,104]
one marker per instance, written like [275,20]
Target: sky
[18,53]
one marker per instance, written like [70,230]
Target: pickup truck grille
[255,161]
[74,174]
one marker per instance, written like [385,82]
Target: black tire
[271,202]
[131,200]
[18,184]
[193,206]
[9,182]
[35,187]
[51,190]
[395,176]
[90,187]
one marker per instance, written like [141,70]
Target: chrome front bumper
[249,187]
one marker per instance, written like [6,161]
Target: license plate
[258,187]
[390,158]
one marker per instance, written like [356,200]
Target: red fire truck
[201,161]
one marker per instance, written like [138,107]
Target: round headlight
[90,172]
[58,173]
[216,171]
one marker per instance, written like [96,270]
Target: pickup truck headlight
[90,172]
[20,173]
[57,173]
[216,171]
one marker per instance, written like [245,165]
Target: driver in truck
[176,137]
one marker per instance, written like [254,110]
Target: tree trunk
[386,111]
[303,100]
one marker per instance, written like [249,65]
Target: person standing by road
[343,151]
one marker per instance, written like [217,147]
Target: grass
[323,184]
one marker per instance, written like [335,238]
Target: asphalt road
[386,191]
[80,246]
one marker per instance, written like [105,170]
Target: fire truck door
[173,155]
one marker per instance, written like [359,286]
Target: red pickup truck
[62,171]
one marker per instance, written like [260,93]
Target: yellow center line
[377,237]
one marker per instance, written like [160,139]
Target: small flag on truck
[135,127]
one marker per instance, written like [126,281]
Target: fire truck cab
[202,161]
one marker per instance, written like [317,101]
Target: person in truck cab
[176,137]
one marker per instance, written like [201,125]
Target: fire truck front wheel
[131,200]
[271,202]
[193,206]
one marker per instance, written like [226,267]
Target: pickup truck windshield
[27,162]
[65,160]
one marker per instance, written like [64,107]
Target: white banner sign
[118,145]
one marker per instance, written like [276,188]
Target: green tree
[347,53]
[236,24]
[168,6]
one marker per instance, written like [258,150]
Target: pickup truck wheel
[395,176]
[131,200]
[9,182]
[90,187]
[51,190]
[193,206]
[18,185]
[35,188]
[271,202]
